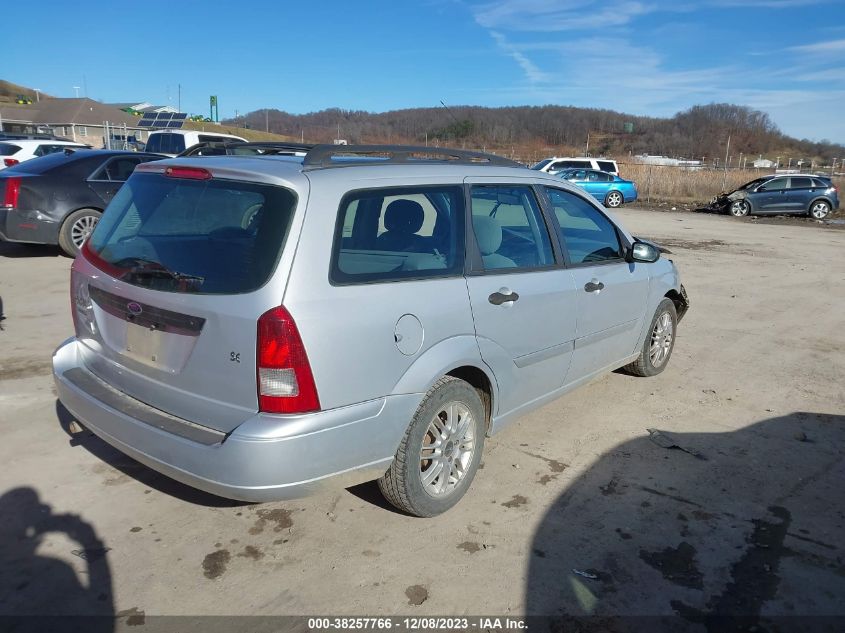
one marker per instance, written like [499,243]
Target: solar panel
[170,120]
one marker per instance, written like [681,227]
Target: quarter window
[393,234]
[509,228]
[588,235]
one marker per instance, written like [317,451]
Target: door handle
[593,286]
[498,298]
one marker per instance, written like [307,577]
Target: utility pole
[587,148]
[266,120]
[37,94]
[727,149]
[179,98]
[76,88]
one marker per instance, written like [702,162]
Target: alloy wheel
[82,229]
[661,340]
[447,449]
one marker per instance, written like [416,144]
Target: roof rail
[321,156]
[262,148]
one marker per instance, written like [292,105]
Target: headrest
[404,216]
[488,233]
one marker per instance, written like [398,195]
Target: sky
[643,57]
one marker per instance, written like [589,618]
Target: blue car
[612,190]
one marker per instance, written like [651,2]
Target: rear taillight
[13,190]
[285,381]
[191,173]
[10,162]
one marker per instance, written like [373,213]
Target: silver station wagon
[259,326]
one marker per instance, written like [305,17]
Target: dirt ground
[748,522]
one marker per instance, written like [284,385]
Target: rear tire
[76,228]
[440,452]
[819,210]
[659,342]
[614,199]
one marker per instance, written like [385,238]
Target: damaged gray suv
[261,326]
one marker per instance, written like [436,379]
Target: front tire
[740,208]
[440,452]
[76,228]
[659,341]
[614,199]
[819,210]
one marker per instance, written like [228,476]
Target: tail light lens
[191,173]
[13,190]
[81,307]
[285,381]
[10,162]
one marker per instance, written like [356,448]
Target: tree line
[699,132]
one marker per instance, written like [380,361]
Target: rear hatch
[168,290]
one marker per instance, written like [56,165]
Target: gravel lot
[749,522]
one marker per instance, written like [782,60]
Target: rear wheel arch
[816,201]
[65,240]
[481,382]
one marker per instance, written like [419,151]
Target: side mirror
[642,252]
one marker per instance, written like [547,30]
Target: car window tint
[509,228]
[587,234]
[774,184]
[800,183]
[606,165]
[594,176]
[604,177]
[120,169]
[224,236]
[820,183]
[393,234]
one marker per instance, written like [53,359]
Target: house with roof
[79,119]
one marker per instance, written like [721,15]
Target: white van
[172,142]
[555,164]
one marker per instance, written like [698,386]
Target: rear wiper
[149,268]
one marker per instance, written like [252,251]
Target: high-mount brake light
[191,173]
[285,381]
[13,190]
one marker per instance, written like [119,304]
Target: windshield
[541,164]
[198,236]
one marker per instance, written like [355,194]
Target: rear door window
[509,228]
[166,143]
[606,165]
[800,183]
[394,234]
[194,236]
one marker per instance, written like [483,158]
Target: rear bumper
[27,226]
[268,457]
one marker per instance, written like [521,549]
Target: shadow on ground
[37,585]
[742,533]
[10,249]
[80,436]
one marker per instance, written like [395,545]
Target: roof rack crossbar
[321,156]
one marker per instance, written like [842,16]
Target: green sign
[213,100]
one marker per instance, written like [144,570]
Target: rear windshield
[7,149]
[165,143]
[193,236]
[541,164]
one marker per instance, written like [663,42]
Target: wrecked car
[806,194]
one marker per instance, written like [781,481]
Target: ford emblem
[134,308]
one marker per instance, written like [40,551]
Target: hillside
[9,92]
[532,132]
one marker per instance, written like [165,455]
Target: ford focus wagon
[260,327]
